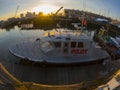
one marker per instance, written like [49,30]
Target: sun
[46,9]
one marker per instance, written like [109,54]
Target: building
[71,13]
[21,15]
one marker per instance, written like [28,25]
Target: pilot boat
[62,47]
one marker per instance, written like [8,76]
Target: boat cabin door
[66,47]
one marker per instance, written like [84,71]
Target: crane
[16,11]
[58,11]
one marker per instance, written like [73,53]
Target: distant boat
[26,26]
[101,20]
[115,41]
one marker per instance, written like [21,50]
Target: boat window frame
[66,44]
[57,44]
[74,45]
[80,46]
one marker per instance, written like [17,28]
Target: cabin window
[68,38]
[80,45]
[65,44]
[58,38]
[57,44]
[73,44]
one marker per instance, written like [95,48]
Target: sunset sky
[103,7]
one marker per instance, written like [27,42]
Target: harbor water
[44,75]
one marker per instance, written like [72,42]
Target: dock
[9,82]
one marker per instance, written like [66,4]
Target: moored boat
[62,47]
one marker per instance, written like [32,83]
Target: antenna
[107,13]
